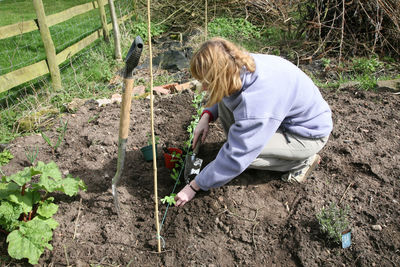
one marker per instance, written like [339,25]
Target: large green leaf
[7,189]
[30,240]
[26,201]
[49,170]
[22,177]
[47,208]
[71,185]
[9,214]
[53,224]
[51,178]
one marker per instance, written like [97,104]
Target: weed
[5,157]
[229,27]
[60,138]
[366,66]
[31,155]
[326,62]
[140,28]
[333,221]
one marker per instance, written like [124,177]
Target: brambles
[333,221]
[26,210]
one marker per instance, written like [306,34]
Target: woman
[272,113]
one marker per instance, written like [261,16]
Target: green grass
[23,50]
[14,11]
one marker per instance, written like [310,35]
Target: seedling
[333,221]
[176,157]
[150,139]
[31,155]
[26,210]
[5,157]
[169,199]
[60,138]
[175,175]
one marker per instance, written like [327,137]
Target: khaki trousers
[284,151]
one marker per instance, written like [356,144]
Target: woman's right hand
[201,129]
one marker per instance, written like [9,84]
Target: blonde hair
[217,64]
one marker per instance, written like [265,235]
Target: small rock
[184,86]
[376,227]
[152,243]
[80,263]
[65,172]
[389,85]
[108,141]
[103,102]
[116,98]
[139,90]
[349,84]
[161,90]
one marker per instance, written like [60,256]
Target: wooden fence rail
[28,73]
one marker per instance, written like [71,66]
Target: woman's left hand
[186,194]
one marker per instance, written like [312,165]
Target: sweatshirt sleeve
[246,139]
[213,110]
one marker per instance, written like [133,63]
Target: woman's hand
[201,129]
[186,194]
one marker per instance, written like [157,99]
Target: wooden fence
[53,60]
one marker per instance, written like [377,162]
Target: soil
[255,220]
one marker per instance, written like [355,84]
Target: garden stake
[152,129]
[131,61]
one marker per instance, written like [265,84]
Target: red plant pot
[169,160]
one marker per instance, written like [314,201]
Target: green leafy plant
[333,221]
[150,139]
[169,199]
[140,28]
[365,70]
[176,157]
[5,157]
[366,66]
[228,27]
[175,174]
[60,138]
[26,209]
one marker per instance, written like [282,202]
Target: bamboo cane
[152,127]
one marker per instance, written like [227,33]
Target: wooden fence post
[48,44]
[103,18]
[117,44]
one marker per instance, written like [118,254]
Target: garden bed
[255,220]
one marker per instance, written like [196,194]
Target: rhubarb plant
[27,210]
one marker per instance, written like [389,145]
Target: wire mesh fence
[26,49]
